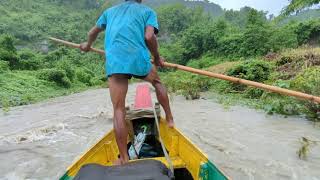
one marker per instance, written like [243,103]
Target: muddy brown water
[40,141]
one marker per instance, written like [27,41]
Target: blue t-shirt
[126,50]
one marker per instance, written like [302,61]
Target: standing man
[131,30]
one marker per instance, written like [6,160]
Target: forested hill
[210,7]
[32,21]
[90,4]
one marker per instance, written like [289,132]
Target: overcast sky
[272,6]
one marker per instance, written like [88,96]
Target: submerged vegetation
[306,146]
[245,44]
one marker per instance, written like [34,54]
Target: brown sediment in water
[40,141]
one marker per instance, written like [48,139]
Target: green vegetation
[244,44]
[277,72]
[32,21]
[270,52]
[27,76]
[297,5]
[306,146]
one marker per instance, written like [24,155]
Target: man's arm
[152,43]
[92,36]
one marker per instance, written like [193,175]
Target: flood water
[40,141]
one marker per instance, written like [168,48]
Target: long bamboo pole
[275,89]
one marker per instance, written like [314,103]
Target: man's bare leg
[162,94]
[118,85]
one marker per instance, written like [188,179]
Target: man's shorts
[130,76]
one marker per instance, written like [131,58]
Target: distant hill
[212,8]
[209,7]
[303,16]
[31,21]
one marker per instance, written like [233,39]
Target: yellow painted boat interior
[182,152]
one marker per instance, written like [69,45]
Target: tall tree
[256,35]
[297,5]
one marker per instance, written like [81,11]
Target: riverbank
[246,143]
[295,69]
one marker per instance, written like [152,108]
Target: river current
[40,141]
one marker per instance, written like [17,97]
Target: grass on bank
[24,87]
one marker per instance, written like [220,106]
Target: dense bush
[173,53]
[97,81]
[254,70]
[283,38]
[27,54]
[275,103]
[186,84]
[309,82]
[11,57]
[197,40]
[31,64]
[308,32]
[230,45]
[29,60]
[55,75]
[253,93]
[57,54]
[255,41]
[205,61]
[7,43]
[84,75]
[66,66]
[202,38]
[8,52]
[4,66]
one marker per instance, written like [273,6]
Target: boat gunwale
[188,140]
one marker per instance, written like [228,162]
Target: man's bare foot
[170,122]
[116,162]
[119,162]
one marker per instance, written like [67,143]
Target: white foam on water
[34,135]
[13,176]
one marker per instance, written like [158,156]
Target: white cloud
[272,6]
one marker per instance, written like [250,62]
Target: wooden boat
[188,161]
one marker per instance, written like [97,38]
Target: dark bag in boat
[140,170]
